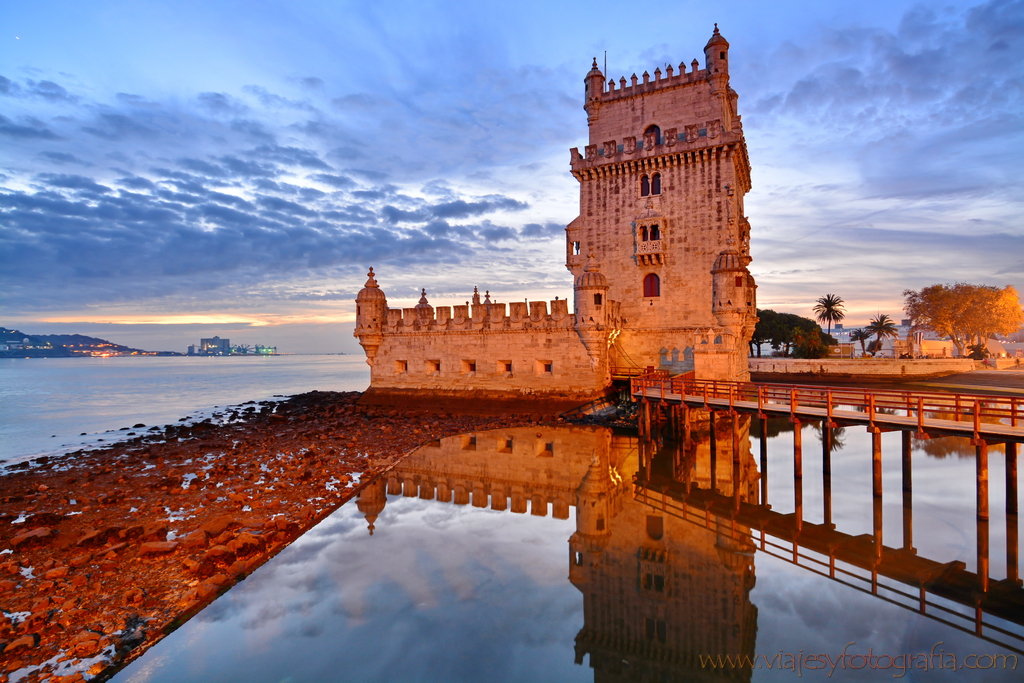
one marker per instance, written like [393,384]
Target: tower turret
[730,281]
[716,54]
[424,311]
[593,90]
[716,58]
[591,306]
[371,311]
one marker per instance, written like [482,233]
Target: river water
[583,554]
[47,403]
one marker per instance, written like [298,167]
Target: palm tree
[882,326]
[829,309]
[860,335]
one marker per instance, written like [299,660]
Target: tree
[780,329]
[882,326]
[860,335]
[964,312]
[829,309]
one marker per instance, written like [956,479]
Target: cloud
[30,128]
[62,158]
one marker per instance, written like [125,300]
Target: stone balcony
[649,253]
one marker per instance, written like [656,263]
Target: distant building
[214,346]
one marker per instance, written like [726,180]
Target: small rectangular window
[739,280]
[576,248]
[508,442]
[544,367]
[469,442]
[401,367]
[433,367]
[597,299]
[469,367]
[547,367]
[505,366]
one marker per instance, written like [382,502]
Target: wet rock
[245,544]
[218,525]
[57,573]
[220,555]
[80,560]
[26,642]
[33,537]
[94,537]
[196,539]
[155,531]
[153,548]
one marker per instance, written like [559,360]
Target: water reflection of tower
[659,592]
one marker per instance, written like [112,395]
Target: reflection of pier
[898,575]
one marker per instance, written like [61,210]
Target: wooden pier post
[981,487]
[908,490]
[798,474]
[714,452]
[826,469]
[764,459]
[876,490]
[1012,567]
[735,461]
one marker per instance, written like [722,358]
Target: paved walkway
[1009,382]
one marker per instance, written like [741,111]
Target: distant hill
[21,345]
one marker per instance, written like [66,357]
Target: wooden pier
[994,419]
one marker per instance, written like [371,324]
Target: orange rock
[57,573]
[218,525]
[220,555]
[196,539]
[23,643]
[39,536]
[157,548]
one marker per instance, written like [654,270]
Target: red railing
[989,409]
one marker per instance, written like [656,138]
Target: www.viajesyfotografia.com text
[801,662]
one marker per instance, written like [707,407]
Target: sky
[176,170]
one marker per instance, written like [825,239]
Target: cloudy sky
[176,170]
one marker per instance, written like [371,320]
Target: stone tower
[662,183]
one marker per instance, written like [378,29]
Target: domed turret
[424,311]
[371,311]
[594,89]
[730,281]
[716,53]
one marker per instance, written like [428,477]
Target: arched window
[655,233]
[653,132]
[652,285]
[645,186]
[656,183]
[643,233]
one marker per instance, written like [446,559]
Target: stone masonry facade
[658,253]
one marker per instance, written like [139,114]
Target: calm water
[46,403]
[547,554]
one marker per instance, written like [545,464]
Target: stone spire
[476,296]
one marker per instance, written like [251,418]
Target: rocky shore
[103,552]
